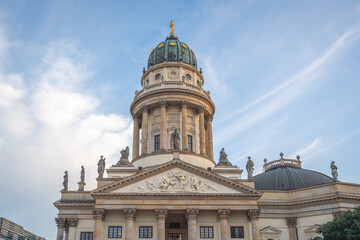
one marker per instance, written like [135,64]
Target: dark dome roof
[288,178]
[172,50]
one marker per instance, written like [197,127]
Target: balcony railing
[282,163]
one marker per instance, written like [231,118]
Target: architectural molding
[98,214]
[161,213]
[192,213]
[130,213]
[253,214]
[223,214]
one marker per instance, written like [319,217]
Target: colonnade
[65,224]
[141,121]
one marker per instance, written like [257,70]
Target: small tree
[345,227]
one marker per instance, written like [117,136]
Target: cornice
[168,91]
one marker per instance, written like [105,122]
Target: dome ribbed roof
[289,178]
[172,50]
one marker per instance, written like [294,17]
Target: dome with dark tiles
[287,174]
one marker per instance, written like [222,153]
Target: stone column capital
[130,213]
[60,222]
[161,213]
[162,102]
[98,214]
[291,222]
[184,103]
[209,118]
[191,213]
[200,109]
[223,214]
[254,214]
[145,108]
[72,222]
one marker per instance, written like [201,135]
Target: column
[130,214]
[66,231]
[292,222]
[161,215]
[210,137]
[184,125]
[191,216]
[72,224]
[202,130]
[253,215]
[163,125]
[99,216]
[223,215]
[144,130]
[60,222]
[135,152]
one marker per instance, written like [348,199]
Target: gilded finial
[172,34]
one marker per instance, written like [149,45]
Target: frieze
[176,181]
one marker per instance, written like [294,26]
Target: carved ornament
[191,213]
[98,214]
[161,213]
[130,213]
[72,222]
[254,214]
[184,103]
[176,182]
[338,214]
[291,222]
[60,222]
[223,214]
[162,102]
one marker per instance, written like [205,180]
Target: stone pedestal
[253,215]
[161,215]
[61,224]
[191,216]
[99,216]
[292,223]
[130,214]
[81,186]
[223,215]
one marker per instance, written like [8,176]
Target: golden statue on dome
[172,34]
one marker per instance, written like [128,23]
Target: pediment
[312,228]
[176,177]
[270,230]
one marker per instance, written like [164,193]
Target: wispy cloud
[307,149]
[285,93]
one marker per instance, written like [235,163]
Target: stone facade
[170,193]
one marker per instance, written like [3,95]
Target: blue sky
[284,76]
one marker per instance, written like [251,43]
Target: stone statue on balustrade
[82,179]
[66,181]
[250,168]
[223,160]
[124,159]
[175,136]
[101,166]
[334,171]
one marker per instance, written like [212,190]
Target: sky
[284,76]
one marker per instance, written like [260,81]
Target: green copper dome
[172,50]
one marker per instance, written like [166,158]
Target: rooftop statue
[172,34]
[66,181]
[334,171]
[175,136]
[82,174]
[124,159]
[250,168]
[223,160]
[101,166]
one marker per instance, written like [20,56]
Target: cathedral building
[176,188]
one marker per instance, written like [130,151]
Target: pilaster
[163,125]
[210,137]
[130,214]
[254,215]
[184,125]
[202,130]
[223,215]
[99,217]
[136,140]
[161,215]
[144,129]
[292,225]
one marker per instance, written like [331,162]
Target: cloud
[307,149]
[56,125]
[286,92]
